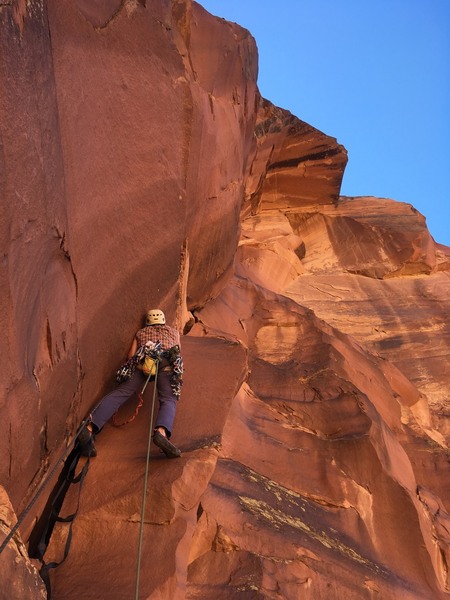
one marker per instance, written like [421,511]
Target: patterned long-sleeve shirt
[168,336]
[170,346]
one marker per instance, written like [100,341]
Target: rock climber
[169,381]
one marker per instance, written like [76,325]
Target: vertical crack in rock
[49,342]
[43,440]
[10,453]
[101,15]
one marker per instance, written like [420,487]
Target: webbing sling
[54,514]
[67,452]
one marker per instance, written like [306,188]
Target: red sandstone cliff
[140,167]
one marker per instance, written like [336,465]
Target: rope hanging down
[144,492]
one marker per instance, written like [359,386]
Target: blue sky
[373,74]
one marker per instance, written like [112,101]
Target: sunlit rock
[142,168]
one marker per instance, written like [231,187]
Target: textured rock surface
[370,268]
[318,410]
[107,134]
[20,578]
[293,163]
[141,168]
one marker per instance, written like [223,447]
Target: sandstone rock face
[20,578]
[316,410]
[111,115]
[142,168]
[370,268]
[293,163]
[40,371]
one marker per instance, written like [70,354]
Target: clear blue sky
[375,74]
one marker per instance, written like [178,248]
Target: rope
[44,484]
[115,417]
[144,492]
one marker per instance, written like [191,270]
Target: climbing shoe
[86,442]
[166,446]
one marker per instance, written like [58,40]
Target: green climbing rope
[144,492]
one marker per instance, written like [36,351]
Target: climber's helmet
[155,316]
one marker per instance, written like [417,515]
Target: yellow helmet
[155,316]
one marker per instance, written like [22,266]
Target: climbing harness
[151,353]
[146,353]
[173,355]
[144,492]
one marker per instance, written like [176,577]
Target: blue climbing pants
[110,403]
